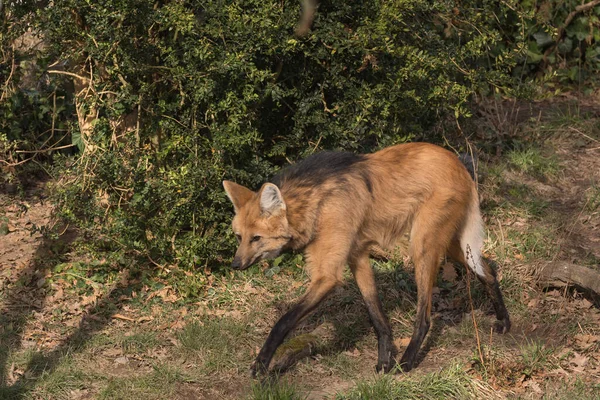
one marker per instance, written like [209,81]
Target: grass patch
[161,383]
[532,161]
[592,198]
[344,365]
[139,342]
[535,357]
[276,390]
[569,390]
[216,341]
[451,382]
[535,242]
[61,383]
[501,368]
[43,382]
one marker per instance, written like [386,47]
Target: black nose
[237,263]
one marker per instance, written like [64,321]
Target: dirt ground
[67,333]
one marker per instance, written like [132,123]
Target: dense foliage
[164,99]
[564,39]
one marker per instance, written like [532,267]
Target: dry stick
[34,152]
[53,112]
[584,135]
[474,162]
[12,70]
[469,254]
[317,144]
[123,318]
[58,72]
[44,150]
[570,17]
[473,317]
[14,164]
[502,236]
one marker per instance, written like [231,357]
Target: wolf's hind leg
[487,276]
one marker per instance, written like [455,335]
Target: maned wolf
[337,205]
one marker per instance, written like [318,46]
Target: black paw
[405,365]
[502,326]
[385,366]
[258,369]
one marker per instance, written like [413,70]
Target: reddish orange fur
[417,188]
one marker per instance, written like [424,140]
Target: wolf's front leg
[316,292]
[363,273]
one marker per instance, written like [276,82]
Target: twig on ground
[473,317]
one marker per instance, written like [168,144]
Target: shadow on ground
[24,297]
[346,311]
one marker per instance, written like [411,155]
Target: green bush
[34,110]
[563,39]
[168,98]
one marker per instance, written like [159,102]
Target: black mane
[320,167]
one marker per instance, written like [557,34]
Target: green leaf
[272,271]
[77,140]
[565,46]
[579,29]
[542,39]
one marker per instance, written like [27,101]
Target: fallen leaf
[57,295]
[85,300]
[579,360]
[124,278]
[177,325]
[586,341]
[248,288]
[353,353]
[165,293]
[534,386]
[121,360]
[533,303]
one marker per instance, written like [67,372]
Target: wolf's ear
[271,201]
[238,194]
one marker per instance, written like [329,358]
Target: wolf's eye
[238,237]
[255,238]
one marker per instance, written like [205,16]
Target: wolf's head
[260,223]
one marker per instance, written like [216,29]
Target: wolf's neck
[302,211]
